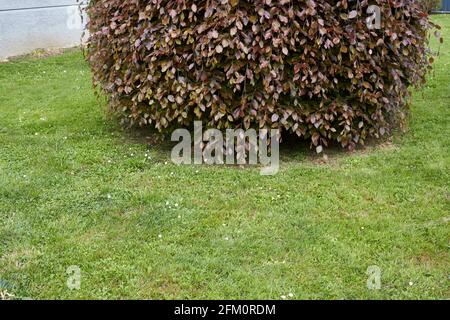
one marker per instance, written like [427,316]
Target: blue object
[445,6]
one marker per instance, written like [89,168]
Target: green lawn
[76,190]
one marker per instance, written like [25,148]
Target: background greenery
[76,190]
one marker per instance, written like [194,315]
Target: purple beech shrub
[312,68]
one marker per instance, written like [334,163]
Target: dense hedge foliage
[312,67]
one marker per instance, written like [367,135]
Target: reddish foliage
[312,67]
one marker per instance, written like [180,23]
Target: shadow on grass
[292,148]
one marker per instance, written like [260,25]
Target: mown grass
[75,190]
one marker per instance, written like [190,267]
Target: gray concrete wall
[26,25]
